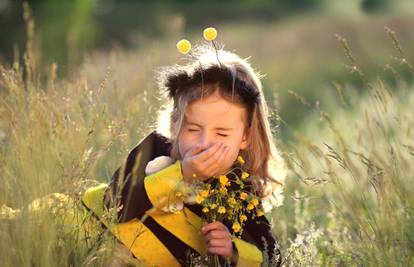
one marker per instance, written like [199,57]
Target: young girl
[218,116]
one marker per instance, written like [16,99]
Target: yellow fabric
[132,234]
[144,244]
[249,254]
[162,185]
[93,198]
[183,224]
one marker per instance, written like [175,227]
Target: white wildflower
[274,199]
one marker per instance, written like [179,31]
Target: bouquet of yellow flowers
[229,199]
[220,203]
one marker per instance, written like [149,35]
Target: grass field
[345,125]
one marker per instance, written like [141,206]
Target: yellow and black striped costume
[167,238]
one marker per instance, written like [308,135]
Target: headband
[178,80]
[177,83]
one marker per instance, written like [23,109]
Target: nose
[205,140]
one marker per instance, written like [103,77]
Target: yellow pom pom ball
[184,46]
[210,33]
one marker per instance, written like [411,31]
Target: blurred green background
[298,49]
[91,24]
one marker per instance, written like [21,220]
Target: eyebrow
[217,128]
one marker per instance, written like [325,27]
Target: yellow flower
[204,193]
[223,191]
[205,209]
[224,180]
[250,206]
[255,202]
[210,33]
[184,46]
[244,175]
[221,210]
[241,160]
[236,227]
[213,206]
[243,218]
[243,196]
[232,201]
[199,199]
[259,213]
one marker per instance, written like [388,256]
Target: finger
[207,153]
[213,159]
[214,167]
[222,251]
[213,226]
[203,156]
[217,234]
[218,243]
[194,151]
[223,155]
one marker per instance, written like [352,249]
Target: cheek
[229,160]
[184,144]
[233,153]
[234,148]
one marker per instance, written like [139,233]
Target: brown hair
[210,70]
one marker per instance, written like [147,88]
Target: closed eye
[224,135]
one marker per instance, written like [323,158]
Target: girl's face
[212,120]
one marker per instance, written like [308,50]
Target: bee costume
[166,238]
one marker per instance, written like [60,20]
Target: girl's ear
[245,139]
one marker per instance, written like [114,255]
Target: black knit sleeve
[258,231]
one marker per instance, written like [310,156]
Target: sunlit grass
[351,202]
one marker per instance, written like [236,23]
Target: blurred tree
[64,29]
[68,28]
[375,5]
